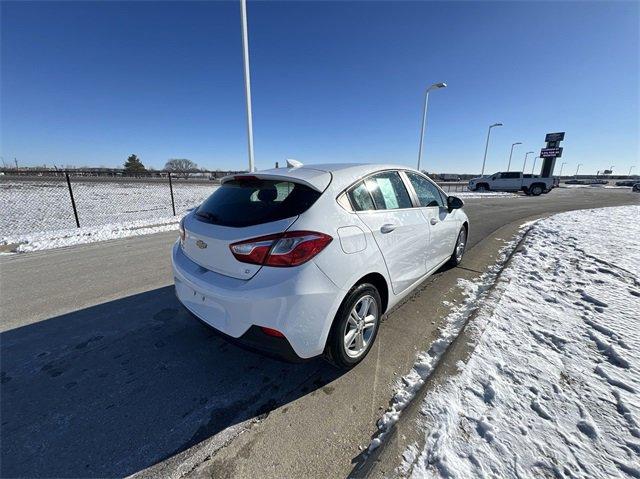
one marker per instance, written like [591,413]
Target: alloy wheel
[360,326]
[461,244]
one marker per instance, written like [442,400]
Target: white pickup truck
[513,181]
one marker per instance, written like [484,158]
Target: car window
[247,201]
[360,198]
[510,175]
[428,194]
[388,191]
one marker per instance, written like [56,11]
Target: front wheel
[458,251]
[355,327]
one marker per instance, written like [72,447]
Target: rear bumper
[300,302]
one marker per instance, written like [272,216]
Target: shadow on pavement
[115,388]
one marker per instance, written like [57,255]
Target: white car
[304,261]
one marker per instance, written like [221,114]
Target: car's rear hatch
[244,207]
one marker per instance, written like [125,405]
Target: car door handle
[387,228]
[433,221]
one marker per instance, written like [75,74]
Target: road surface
[104,374]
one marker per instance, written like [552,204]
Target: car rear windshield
[247,202]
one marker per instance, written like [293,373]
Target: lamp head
[437,85]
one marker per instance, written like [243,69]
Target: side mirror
[454,203]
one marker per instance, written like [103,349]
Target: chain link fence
[42,201]
[35,202]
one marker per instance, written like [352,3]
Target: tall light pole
[629,174]
[511,154]
[247,81]
[561,167]
[534,164]
[435,86]
[525,160]
[579,165]
[486,146]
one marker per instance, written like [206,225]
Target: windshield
[247,202]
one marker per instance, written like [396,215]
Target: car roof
[318,176]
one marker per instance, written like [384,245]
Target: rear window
[247,202]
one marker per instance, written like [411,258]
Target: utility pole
[247,81]
[15,160]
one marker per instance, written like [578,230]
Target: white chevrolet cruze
[304,261]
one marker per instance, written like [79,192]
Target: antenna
[293,163]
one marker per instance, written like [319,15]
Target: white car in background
[304,261]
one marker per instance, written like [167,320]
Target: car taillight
[284,249]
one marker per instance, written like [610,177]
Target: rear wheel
[461,245]
[536,190]
[355,327]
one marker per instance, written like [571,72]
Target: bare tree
[181,166]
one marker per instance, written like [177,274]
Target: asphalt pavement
[104,374]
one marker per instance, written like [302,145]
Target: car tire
[536,190]
[460,247]
[482,187]
[350,340]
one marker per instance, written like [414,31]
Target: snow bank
[486,194]
[410,384]
[552,388]
[89,234]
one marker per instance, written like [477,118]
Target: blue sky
[90,83]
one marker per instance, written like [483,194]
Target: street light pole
[486,146]
[561,167]
[579,165]
[247,81]
[511,154]
[525,160]
[424,117]
[534,164]
[629,174]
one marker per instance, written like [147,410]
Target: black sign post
[552,151]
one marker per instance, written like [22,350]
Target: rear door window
[252,201]
[388,191]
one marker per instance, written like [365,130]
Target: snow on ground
[486,194]
[39,214]
[552,388]
[409,385]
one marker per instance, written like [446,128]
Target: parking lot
[104,374]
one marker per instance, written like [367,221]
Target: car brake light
[272,332]
[292,248]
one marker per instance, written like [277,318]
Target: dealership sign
[551,152]
[554,137]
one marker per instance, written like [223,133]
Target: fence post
[73,202]
[173,203]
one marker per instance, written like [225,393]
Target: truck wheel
[536,190]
